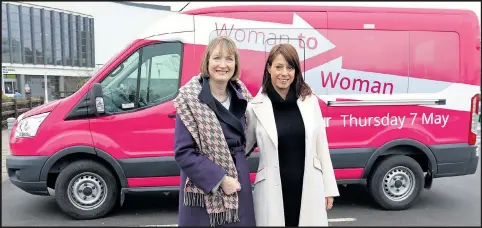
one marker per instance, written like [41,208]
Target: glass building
[40,43]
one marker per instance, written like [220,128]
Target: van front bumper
[24,172]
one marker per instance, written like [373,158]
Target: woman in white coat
[295,183]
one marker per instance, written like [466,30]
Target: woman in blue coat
[210,143]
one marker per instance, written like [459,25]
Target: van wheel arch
[391,148]
[81,152]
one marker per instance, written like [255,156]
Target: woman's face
[282,74]
[221,65]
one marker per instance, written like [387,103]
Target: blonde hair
[226,44]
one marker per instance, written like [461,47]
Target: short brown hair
[289,53]
[226,43]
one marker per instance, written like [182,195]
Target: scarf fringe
[197,200]
[229,216]
[193,199]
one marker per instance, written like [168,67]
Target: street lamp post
[46,94]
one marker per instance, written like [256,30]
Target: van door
[365,65]
[138,128]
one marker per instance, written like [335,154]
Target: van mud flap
[123,195]
[428,180]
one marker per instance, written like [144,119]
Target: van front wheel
[86,190]
[396,183]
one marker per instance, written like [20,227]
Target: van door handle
[172,115]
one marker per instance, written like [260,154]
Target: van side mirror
[98,98]
[91,104]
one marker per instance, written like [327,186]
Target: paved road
[451,202]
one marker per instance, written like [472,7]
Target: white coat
[319,178]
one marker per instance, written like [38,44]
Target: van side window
[148,77]
[434,61]
[376,62]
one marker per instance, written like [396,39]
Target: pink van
[399,88]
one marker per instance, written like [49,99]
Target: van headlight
[28,127]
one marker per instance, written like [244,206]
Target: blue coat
[204,173]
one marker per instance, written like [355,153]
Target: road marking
[329,220]
[342,220]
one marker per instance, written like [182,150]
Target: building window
[83,42]
[5,39]
[27,35]
[48,38]
[73,32]
[66,38]
[37,30]
[10,87]
[57,39]
[71,84]
[91,50]
[88,42]
[37,85]
[15,33]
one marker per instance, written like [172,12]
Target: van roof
[317,8]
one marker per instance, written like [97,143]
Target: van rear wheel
[396,183]
[86,190]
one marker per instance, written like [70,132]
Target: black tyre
[86,189]
[396,183]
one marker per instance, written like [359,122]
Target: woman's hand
[329,203]
[230,185]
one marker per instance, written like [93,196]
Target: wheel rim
[87,191]
[398,183]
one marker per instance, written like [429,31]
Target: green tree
[82,82]
[5,98]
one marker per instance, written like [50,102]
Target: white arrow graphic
[261,36]
[338,82]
